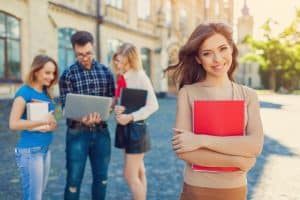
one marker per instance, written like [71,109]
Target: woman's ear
[198,60]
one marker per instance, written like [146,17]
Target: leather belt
[79,125]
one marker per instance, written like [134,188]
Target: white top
[139,80]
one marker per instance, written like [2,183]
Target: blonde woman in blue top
[32,151]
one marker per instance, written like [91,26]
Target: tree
[278,56]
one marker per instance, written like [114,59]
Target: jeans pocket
[73,134]
[22,157]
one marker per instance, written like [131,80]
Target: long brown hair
[37,64]
[187,70]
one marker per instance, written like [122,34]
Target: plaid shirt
[98,81]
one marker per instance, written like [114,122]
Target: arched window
[168,13]
[65,51]
[112,46]
[217,9]
[115,3]
[144,9]
[207,3]
[10,57]
[146,60]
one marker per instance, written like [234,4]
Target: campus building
[157,27]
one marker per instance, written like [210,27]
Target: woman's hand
[119,109]
[49,118]
[47,128]
[51,123]
[184,141]
[124,119]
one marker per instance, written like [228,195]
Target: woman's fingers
[177,137]
[177,130]
[119,109]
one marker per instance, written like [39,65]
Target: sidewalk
[278,166]
[164,170]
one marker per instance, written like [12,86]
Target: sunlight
[282,11]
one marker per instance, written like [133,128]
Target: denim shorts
[133,137]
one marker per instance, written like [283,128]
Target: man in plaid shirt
[89,136]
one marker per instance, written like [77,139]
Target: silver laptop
[79,105]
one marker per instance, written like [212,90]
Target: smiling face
[215,55]
[121,64]
[46,75]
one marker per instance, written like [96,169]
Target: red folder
[218,118]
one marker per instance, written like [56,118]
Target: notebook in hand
[37,111]
[133,99]
[218,118]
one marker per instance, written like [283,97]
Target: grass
[58,112]
[297,92]
[263,91]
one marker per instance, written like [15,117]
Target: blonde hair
[37,64]
[131,54]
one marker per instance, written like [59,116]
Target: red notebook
[218,118]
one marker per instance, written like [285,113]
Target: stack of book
[37,111]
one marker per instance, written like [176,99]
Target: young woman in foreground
[205,72]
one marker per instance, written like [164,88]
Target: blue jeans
[80,144]
[34,165]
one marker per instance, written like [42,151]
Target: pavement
[275,176]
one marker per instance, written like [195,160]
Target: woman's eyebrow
[222,45]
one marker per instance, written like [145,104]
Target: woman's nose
[217,56]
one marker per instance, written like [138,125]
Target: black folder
[133,99]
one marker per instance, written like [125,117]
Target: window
[207,3]
[217,9]
[146,60]
[226,4]
[115,3]
[183,19]
[112,44]
[10,58]
[144,9]
[65,51]
[168,13]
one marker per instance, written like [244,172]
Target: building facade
[248,72]
[157,27]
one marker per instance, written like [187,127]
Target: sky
[283,11]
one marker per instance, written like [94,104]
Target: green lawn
[296,92]
[262,91]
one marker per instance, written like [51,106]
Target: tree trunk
[272,78]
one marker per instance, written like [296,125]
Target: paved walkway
[279,165]
[276,175]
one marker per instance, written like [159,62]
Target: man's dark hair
[81,38]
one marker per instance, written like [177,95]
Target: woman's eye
[206,53]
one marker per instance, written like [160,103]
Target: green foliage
[278,56]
